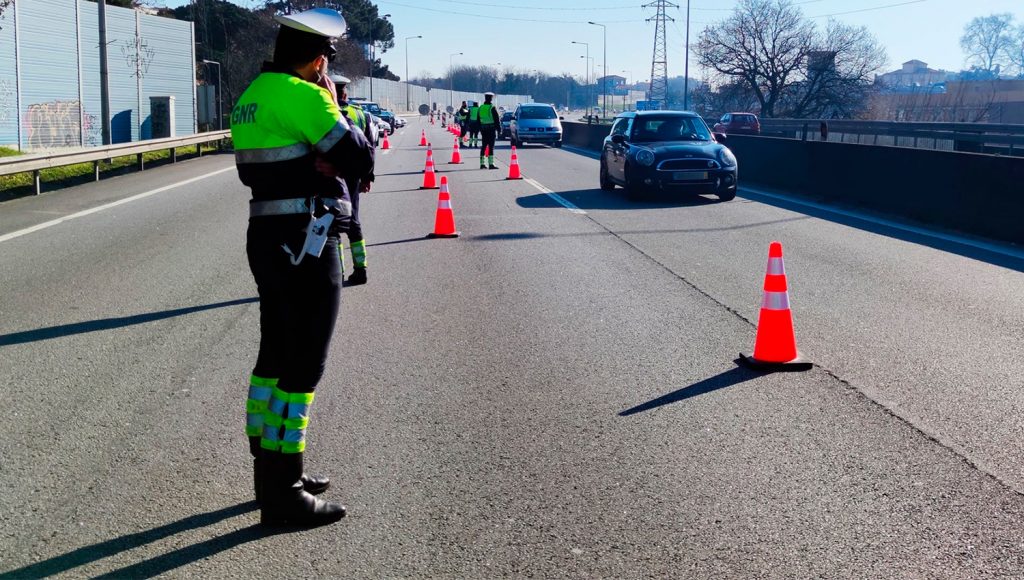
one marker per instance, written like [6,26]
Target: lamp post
[372,59]
[686,73]
[590,73]
[628,90]
[604,67]
[220,95]
[586,44]
[451,75]
[408,104]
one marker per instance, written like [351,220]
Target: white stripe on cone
[775,301]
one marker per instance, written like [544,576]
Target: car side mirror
[561,118]
[720,137]
[618,139]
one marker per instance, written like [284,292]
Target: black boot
[313,484]
[358,277]
[285,502]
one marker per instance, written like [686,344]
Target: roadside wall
[392,96]
[972,193]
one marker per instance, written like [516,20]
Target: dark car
[738,124]
[666,151]
[506,123]
[389,118]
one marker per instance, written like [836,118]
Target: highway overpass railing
[36,162]
[1004,139]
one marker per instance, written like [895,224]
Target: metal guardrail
[968,137]
[35,163]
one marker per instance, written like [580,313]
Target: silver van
[536,123]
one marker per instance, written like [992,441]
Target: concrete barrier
[972,193]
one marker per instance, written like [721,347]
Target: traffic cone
[513,168]
[456,156]
[430,156]
[423,138]
[385,145]
[775,345]
[429,177]
[444,221]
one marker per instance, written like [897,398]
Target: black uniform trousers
[299,305]
[489,135]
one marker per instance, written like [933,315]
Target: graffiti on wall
[53,124]
[7,101]
[138,55]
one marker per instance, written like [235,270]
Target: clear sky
[536,34]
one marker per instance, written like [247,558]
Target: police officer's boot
[357,277]
[313,484]
[285,502]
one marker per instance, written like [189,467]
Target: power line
[548,8]
[869,9]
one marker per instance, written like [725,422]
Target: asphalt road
[553,394]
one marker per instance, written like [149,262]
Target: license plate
[690,176]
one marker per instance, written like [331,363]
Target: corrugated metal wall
[392,95]
[50,73]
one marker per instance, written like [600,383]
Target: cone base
[455,163]
[799,364]
[452,235]
[512,178]
[435,187]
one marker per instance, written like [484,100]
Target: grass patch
[80,170]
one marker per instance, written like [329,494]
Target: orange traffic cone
[429,177]
[775,345]
[456,156]
[385,145]
[423,138]
[513,167]
[430,156]
[444,221]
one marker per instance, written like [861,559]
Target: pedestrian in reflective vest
[280,125]
[490,124]
[463,117]
[474,124]
[356,187]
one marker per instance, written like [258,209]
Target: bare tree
[788,65]
[1015,51]
[987,38]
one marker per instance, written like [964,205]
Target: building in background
[50,74]
[914,73]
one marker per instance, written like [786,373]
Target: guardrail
[964,137]
[35,163]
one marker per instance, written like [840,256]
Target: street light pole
[220,96]
[408,104]
[686,74]
[628,90]
[604,67]
[451,75]
[373,60]
[586,44]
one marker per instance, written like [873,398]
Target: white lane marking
[561,200]
[584,152]
[994,247]
[51,223]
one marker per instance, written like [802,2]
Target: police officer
[356,186]
[490,124]
[281,123]
[474,124]
[462,115]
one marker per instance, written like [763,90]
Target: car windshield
[537,113]
[648,129]
[506,117]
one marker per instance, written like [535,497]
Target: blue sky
[536,34]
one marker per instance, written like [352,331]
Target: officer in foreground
[355,185]
[281,124]
[490,125]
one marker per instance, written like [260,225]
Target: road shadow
[598,199]
[159,564]
[110,323]
[729,378]
[511,236]
[393,242]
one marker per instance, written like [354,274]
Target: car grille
[688,165]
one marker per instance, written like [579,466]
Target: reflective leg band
[359,254]
[256,405]
[285,422]
[490,159]
[341,256]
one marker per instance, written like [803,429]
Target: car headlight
[645,157]
[727,158]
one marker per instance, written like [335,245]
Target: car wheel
[558,144]
[727,195]
[606,183]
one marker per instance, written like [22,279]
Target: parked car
[535,123]
[667,151]
[738,124]
[389,118]
[400,122]
[506,125]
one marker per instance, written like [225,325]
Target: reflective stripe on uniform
[260,389]
[331,138]
[775,301]
[272,154]
[359,253]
